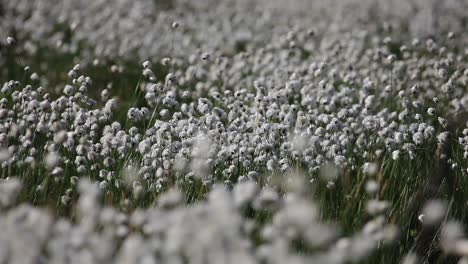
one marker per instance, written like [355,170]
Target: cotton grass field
[233,131]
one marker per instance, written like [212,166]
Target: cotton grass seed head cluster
[232,131]
[218,229]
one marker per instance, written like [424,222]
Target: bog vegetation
[234,131]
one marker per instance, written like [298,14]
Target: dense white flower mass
[251,131]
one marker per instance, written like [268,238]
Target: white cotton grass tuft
[4,155]
[372,186]
[88,207]
[433,212]
[452,231]
[375,207]
[130,174]
[244,193]
[370,168]
[453,239]
[9,189]
[51,159]
[170,199]
[10,41]
[200,154]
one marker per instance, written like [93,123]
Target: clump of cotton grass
[51,159]
[9,189]
[372,186]
[4,155]
[24,226]
[88,206]
[200,155]
[433,212]
[10,40]
[453,240]
[375,207]
[370,168]
[170,199]
[245,106]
